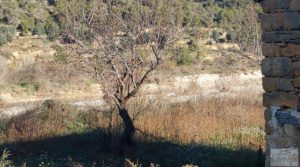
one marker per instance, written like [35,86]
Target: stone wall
[281,82]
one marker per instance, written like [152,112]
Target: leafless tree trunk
[129,127]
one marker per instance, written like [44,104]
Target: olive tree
[123,42]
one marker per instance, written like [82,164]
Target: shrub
[39,29]
[9,31]
[3,39]
[183,56]
[215,35]
[6,34]
[52,30]
[231,36]
[27,24]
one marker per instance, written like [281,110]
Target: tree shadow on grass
[95,148]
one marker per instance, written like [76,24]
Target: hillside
[33,59]
[45,17]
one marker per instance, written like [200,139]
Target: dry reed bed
[232,121]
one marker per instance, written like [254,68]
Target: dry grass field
[205,131]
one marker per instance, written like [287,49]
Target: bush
[231,36]
[39,29]
[3,39]
[27,24]
[183,56]
[6,34]
[52,30]
[215,35]
[9,31]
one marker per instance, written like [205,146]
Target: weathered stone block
[288,117]
[291,21]
[285,85]
[296,82]
[277,67]
[282,37]
[280,100]
[273,21]
[290,130]
[297,58]
[297,68]
[268,129]
[276,50]
[294,5]
[268,114]
[266,67]
[291,50]
[277,84]
[283,141]
[280,5]
[275,5]
[271,50]
[270,84]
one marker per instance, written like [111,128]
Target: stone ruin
[281,81]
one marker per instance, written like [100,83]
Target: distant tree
[124,43]
[208,13]
[243,20]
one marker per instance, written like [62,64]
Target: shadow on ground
[96,149]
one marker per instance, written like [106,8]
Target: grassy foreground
[207,132]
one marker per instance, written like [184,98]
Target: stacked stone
[281,68]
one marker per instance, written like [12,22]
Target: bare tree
[124,43]
[248,31]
